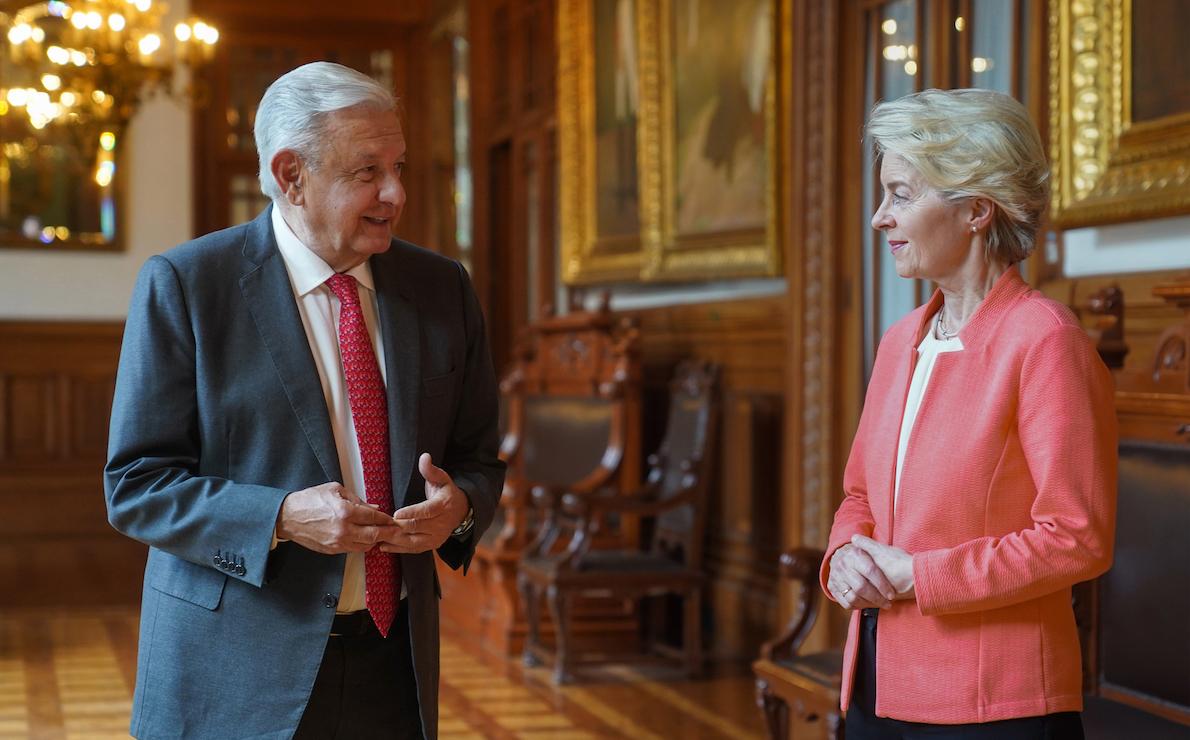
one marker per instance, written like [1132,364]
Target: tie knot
[343,286]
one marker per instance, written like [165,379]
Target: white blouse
[927,354]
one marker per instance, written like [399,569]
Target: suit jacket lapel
[269,296]
[400,332]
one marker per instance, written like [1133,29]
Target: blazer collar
[1006,291]
[401,335]
[269,296]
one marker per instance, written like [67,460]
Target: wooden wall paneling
[1146,315]
[440,156]
[480,75]
[744,537]
[514,160]
[56,547]
[32,417]
[824,269]
[309,12]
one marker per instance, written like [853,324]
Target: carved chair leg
[560,611]
[532,603]
[692,629]
[776,713]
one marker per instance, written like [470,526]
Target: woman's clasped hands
[866,574]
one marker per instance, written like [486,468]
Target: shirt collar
[306,269]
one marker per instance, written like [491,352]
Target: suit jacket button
[241,570]
[218,561]
[330,601]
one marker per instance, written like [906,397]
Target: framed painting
[1120,110]
[59,181]
[599,95]
[709,203]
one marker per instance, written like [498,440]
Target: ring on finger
[846,591]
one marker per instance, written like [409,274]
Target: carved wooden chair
[789,683]
[561,565]
[570,417]
[1132,625]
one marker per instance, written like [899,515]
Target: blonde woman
[981,482]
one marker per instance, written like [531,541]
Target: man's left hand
[895,562]
[426,525]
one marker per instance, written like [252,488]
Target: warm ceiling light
[149,44]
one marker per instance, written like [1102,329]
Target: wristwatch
[465,525]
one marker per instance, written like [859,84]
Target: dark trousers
[863,724]
[365,689]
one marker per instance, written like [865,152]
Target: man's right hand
[330,519]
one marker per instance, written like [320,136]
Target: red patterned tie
[369,411]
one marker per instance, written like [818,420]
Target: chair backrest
[572,401]
[565,437]
[1133,618]
[683,462]
[1144,646]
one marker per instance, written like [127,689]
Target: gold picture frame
[589,254]
[682,110]
[1109,166]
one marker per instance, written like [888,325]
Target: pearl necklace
[942,332]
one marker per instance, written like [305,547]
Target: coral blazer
[1008,493]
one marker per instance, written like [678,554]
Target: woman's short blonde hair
[972,143]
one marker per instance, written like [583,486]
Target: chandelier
[86,65]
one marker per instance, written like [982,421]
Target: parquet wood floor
[68,675]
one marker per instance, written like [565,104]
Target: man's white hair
[293,112]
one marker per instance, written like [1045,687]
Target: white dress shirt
[319,309]
[927,354]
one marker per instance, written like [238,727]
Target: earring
[974,229]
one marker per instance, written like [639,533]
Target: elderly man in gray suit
[305,411]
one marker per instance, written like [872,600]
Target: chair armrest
[640,503]
[800,564]
[546,496]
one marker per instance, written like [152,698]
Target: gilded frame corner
[586,257]
[1106,167]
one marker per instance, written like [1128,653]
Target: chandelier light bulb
[68,99]
[107,140]
[143,5]
[182,32]
[94,20]
[104,173]
[19,33]
[78,58]
[78,20]
[150,43]
[99,96]
[51,82]
[17,97]
[116,22]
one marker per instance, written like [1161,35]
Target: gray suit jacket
[218,414]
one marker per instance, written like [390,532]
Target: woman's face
[929,237]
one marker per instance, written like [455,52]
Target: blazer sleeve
[155,490]
[854,515]
[1068,433]
[472,449]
